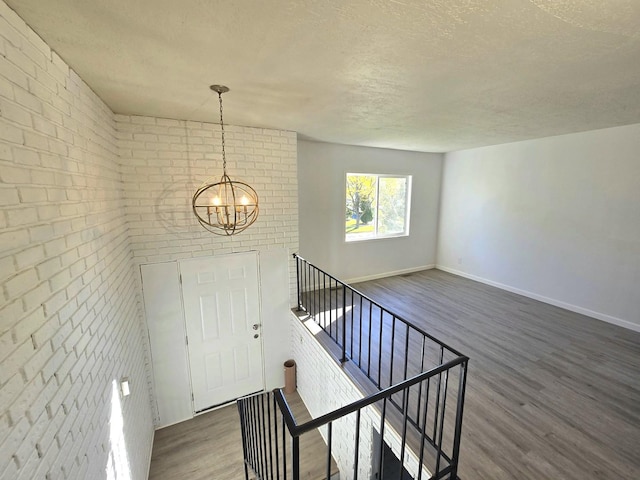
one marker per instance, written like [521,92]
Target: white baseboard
[551,301]
[390,274]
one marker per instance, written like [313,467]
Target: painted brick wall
[69,318]
[86,197]
[324,387]
[164,161]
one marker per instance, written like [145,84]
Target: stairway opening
[391,466]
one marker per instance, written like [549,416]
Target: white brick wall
[85,198]
[324,387]
[164,161]
[69,315]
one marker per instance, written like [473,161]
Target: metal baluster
[435,417]
[319,293]
[324,300]
[423,430]
[310,290]
[382,422]
[303,276]
[393,344]
[306,289]
[243,428]
[319,307]
[284,449]
[420,385]
[256,465]
[405,409]
[303,282]
[253,424]
[263,434]
[269,433]
[298,281]
[369,339]
[344,323]
[247,407]
[313,293]
[351,350]
[275,435]
[406,358]
[316,293]
[444,404]
[357,447]
[331,304]
[329,429]
[458,428]
[379,346]
[251,453]
[360,336]
[295,459]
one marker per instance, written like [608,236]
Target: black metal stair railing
[268,425]
[420,377]
[265,436]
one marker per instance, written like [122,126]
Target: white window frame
[361,237]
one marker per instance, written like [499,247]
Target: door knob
[255,326]
[256,336]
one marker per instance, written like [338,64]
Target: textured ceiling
[411,74]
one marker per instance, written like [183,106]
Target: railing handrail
[373,302]
[297,430]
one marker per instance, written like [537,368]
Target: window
[377,206]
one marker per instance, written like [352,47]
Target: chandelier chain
[224,157]
[225,207]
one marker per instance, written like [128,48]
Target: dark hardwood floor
[551,394]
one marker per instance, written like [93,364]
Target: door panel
[221,303]
[165,321]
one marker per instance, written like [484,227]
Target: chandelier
[228,206]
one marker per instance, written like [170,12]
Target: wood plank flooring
[209,447]
[551,394]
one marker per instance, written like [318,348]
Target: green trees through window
[376,206]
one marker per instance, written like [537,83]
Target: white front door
[222,314]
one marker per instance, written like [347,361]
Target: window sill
[372,239]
